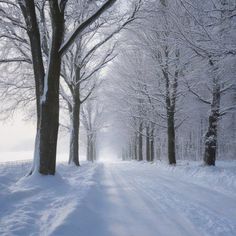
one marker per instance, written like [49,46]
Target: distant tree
[93,121]
[80,67]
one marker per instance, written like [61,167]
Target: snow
[221,177]
[37,205]
[13,156]
[119,198]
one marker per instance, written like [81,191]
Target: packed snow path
[115,199]
[136,201]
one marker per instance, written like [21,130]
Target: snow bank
[221,177]
[40,203]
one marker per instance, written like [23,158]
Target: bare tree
[215,38]
[82,64]
[92,120]
[47,76]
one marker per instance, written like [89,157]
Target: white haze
[17,141]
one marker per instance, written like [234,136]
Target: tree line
[175,82]
[171,69]
[52,53]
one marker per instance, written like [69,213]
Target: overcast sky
[17,140]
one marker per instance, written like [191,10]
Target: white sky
[16,135]
[17,141]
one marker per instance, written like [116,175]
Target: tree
[213,44]
[81,81]
[16,85]
[82,64]
[166,54]
[47,81]
[92,120]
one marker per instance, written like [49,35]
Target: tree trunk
[170,111]
[152,153]
[49,112]
[171,138]
[130,149]
[148,157]
[94,149]
[170,98]
[28,11]
[135,147]
[75,125]
[211,135]
[140,143]
[88,154]
[91,149]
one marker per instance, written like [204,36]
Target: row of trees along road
[176,82]
[167,69]
[45,40]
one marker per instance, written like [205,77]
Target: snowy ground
[120,198]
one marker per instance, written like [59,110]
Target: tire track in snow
[165,191]
[165,217]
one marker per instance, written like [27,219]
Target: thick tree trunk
[170,111]
[211,135]
[170,129]
[171,138]
[28,11]
[49,112]
[148,156]
[170,97]
[74,138]
[140,143]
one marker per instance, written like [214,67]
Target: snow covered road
[136,200]
[116,199]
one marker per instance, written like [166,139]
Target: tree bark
[171,138]
[75,126]
[49,112]
[94,148]
[135,147]
[91,152]
[211,135]
[148,157]
[152,153]
[28,11]
[140,143]
[170,123]
[170,110]
[88,155]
